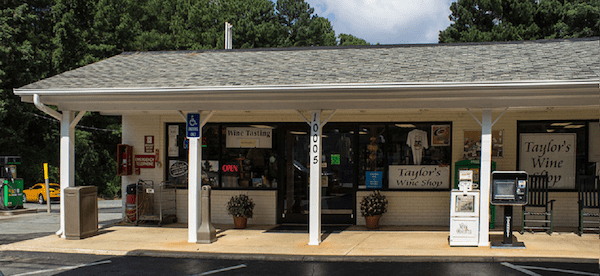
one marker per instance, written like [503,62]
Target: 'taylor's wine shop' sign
[552,154]
[419,177]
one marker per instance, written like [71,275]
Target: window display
[409,144]
[417,141]
[250,157]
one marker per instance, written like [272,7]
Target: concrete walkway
[356,243]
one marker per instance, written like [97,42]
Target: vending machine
[464,212]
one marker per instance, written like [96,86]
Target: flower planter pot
[372,221]
[240,222]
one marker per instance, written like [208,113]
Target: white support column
[314,212]
[67,162]
[195,180]
[194,184]
[485,174]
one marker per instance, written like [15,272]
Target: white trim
[77,118]
[346,86]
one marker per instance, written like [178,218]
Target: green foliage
[42,38]
[497,20]
[347,40]
[373,204]
[241,206]
[301,28]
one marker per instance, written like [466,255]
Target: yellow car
[38,193]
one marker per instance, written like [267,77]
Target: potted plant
[241,207]
[372,207]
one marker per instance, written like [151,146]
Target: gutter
[306,87]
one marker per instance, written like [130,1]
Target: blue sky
[386,21]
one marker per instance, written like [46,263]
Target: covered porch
[319,86]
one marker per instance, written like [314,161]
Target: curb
[16,212]
[364,259]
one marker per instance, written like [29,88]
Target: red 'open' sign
[229,168]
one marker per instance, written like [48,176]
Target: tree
[42,38]
[24,49]
[301,27]
[347,39]
[497,20]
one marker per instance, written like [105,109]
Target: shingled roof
[569,59]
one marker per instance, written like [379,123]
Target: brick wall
[412,208]
[264,210]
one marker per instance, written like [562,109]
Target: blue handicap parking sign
[193,125]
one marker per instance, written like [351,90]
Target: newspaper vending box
[464,212]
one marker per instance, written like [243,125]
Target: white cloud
[387,21]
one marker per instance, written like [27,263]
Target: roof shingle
[570,59]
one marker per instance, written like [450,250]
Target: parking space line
[526,269]
[518,268]
[561,270]
[63,268]
[223,269]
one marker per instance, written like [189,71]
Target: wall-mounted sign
[551,154]
[374,180]
[149,143]
[144,161]
[419,177]
[249,137]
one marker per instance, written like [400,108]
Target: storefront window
[419,156]
[558,149]
[372,164]
[177,156]
[405,156]
[249,157]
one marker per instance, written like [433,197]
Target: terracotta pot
[372,221]
[240,222]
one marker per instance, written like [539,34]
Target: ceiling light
[561,124]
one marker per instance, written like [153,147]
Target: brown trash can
[81,212]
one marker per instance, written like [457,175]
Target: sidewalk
[356,243]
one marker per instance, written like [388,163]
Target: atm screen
[504,189]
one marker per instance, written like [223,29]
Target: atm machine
[464,212]
[509,188]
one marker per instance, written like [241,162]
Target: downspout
[44,108]
[41,106]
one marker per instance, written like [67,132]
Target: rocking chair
[538,218]
[588,199]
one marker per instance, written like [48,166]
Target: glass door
[293,194]
[337,176]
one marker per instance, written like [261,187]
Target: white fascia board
[311,87]
[326,96]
